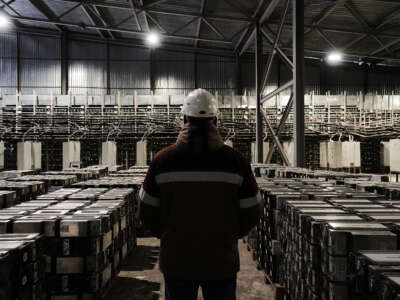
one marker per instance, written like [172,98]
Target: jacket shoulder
[164,154]
[235,153]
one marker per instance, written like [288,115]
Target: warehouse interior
[307,90]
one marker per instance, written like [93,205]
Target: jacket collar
[214,138]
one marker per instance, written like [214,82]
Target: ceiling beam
[68,11]
[325,13]
[267,69]
[250,34]
[121,30]
[154,3]
[186,25]
[353,42]
[249,40]
[388,1]
[46,11]
[268,11]
[369,31]
[154,20]
[102,20]
[123,6]
[144,16]
[243,33]
[238,7]
[392,43]
[213,28]
[200,19]
[339,30]
[208,16]
[325,37]
[134,14]
[7,3]
[349,55]
[91,20]
[277,48]
[165,45]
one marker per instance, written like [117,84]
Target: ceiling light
[153,39]
[334,57]
[3,21]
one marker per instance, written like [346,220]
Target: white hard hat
[200,104]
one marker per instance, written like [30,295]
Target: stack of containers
[321,230]
[86,234]
[22,267]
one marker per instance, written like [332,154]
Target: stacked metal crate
[86,235]
[24,190]
[21,267]
[319,227]
[50,180]
[377,275]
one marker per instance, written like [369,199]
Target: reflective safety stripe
[225,177]
[146,198]
[249,202]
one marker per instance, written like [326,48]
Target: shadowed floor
[140,278]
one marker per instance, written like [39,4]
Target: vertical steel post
[19,60]
[239,85]
[152,71]
[196,84]
[258,80]
[64,63]
[108,88]
[298,81]
[322,78]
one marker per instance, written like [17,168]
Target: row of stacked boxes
[312,230]
[22,264]
[86,235]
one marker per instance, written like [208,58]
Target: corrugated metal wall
[340,79]
[87,70]
[129,70]
[217,73]
[175,72]
[40,65]
[8,63]
[384,82]
[172,72]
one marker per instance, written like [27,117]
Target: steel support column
[322,77]
[196,83]
[19,62]
[298,81]
[239,85]
[108,70]
[152,72]
[366,80]
[258,81]
[64,63]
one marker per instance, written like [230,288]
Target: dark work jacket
[199,197]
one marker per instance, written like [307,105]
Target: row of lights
[153,40]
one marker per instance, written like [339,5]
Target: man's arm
[149,197]
[250,202]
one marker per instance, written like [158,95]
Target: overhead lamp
[153,39]
[4,21]
[334,57]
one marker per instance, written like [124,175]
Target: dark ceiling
[362,29]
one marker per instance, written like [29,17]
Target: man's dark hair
[199,122]
[199,130]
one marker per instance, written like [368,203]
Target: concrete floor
[140,278]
